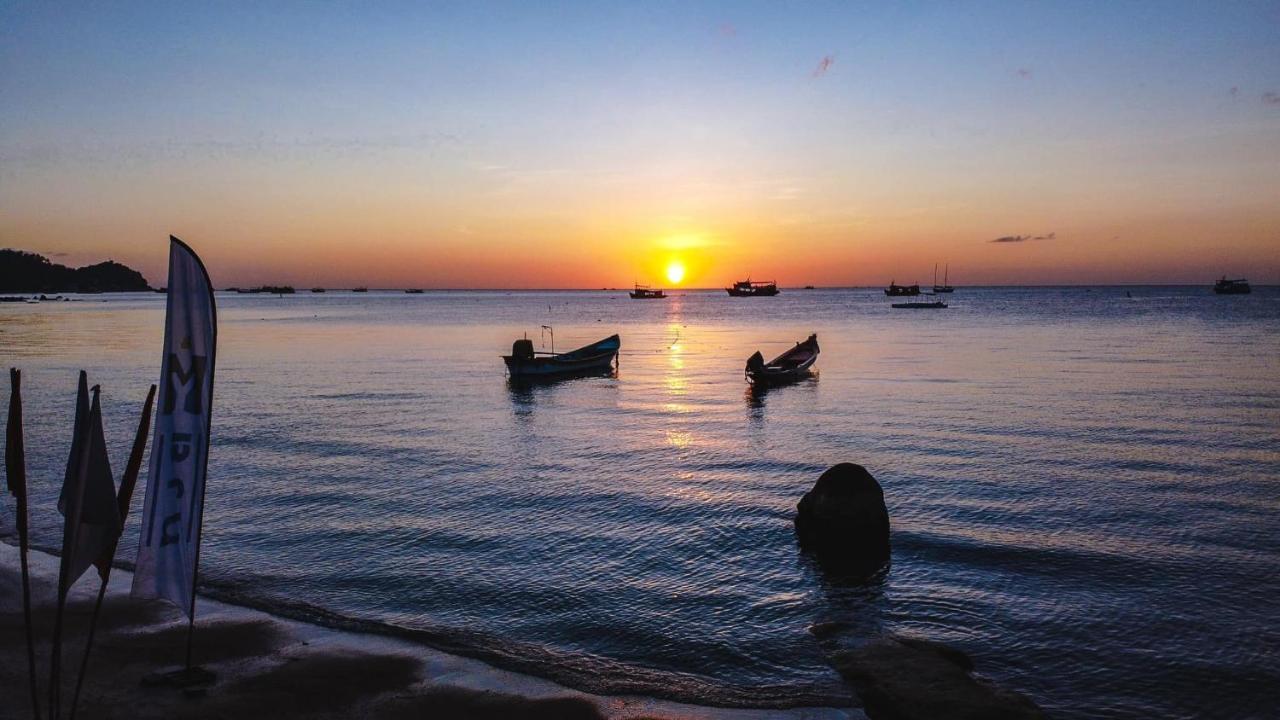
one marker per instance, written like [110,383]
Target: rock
[905,679]
[843,520]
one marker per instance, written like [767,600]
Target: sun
[675,272]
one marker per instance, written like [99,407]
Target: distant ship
[896,290]
[644,292]
[748,288]
[414,291]
[1232,287]
[317,290]
[360,289]
[944,287]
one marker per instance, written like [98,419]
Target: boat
[360,289]
[596,357]
[644,292]
[896,290]
[317,290]
[414,291]
[922,304]
[749,288]
[944,287]
[791,365]
[808,287]
[1232,287]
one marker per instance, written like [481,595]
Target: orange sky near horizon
[511,147]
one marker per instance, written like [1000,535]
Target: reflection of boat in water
[597,357]
[1232,287]
[644,292]
[790,365]
[944,287]
[748,288]
[896,290]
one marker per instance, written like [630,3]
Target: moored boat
[945,287]
[644,292]
[793,364]
[921,305]
[896,290]
[413,291]
[525,362]
[750,288]
[1239,286]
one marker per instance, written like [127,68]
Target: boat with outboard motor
[794,364]
[525,362]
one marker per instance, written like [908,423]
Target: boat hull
[939,305]
[756,292]
[597,357]
[794,364]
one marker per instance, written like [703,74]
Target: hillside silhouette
[27,272]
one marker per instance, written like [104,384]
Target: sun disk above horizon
[675,272]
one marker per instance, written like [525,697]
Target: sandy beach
[271,667]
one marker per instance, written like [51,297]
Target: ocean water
[1083,486]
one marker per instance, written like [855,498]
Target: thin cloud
[1024,238]
[824,65]
[1270,98]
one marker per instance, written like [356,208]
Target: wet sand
[270,667]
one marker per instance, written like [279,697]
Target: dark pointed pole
[15,468]
[103,563]
[73,494]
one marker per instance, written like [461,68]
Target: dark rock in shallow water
[844,522]
[906,679]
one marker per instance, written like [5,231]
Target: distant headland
[27,272]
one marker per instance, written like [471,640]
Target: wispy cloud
[1024,238]
[1271,98]
[824,65]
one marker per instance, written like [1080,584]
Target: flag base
[183,678]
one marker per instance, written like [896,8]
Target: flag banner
[15,460]
[92,520]
[169,543]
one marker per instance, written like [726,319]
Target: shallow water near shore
[1082,485]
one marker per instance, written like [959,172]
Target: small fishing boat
[525,362]
[921,305]
[791,365]
[896,290]
[360,289]
[413,291]
[644,292]
[317,290]
[749,288]
[1232,287]
[944,287]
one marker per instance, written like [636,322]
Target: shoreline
[270,665]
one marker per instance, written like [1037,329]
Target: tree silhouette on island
[27,272]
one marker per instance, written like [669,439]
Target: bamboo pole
[15,462]
[123,499]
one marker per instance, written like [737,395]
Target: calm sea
[1083,485]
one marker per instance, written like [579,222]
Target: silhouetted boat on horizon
[413,291]
[896,290]
[791,365]
[944,287]
[1239,286]
[596,357]
[922,304]
[644,292]
[749,288]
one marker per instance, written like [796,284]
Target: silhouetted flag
[88,499]
[15,462]
[169,544]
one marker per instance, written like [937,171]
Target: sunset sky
[589,145]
